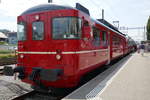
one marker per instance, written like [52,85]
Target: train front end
[48,35]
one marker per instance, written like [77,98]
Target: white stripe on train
[69,52]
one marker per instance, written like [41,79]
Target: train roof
[45,7]
[108,24]
[48,7]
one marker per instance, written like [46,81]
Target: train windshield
[21,35]
[66,28]
[38,30]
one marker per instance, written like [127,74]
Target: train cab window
[66,28]
[104,38]
[37,30]
[96,36]
[21,33]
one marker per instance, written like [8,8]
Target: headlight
[21,56]
[58,57]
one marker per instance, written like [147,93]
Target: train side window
[21,33]
[38,30]
[66,28]
[104,38]
[96,36]
[116,41]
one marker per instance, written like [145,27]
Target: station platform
[11,88]
[129,79]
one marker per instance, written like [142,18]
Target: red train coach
[57,45]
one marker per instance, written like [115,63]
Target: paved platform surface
[129,79]
[11,88]
[132,82]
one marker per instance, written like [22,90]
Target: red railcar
[131,45]
[57,45]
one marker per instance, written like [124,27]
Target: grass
[7,57]
[7,53]
[2,42]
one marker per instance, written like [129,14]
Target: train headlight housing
[58,56]
[21,56]
[37,17]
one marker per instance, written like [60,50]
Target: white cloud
[15,7]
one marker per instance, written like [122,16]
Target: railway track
[1,70]
[22,97]
[33,95]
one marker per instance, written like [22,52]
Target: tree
[148,29]
[4,30]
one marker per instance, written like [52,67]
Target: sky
[129,13]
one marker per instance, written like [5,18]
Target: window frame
[25,32]
[95,44]
[104,40]
[43,37]
[116,40]
[66,38]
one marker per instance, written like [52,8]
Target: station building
[3,37]
[12,37]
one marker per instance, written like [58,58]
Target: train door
[37,32]
[105,45]
[85,58]
[109,49]
[21,33]
[36,49]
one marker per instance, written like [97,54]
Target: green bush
[2,42]
[8,56]
[5,51]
